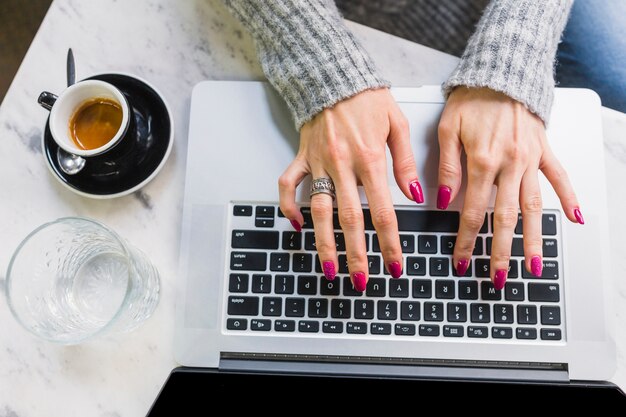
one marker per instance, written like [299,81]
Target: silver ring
[322,186]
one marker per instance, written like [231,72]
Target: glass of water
[74,278]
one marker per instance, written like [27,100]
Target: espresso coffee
[95,123]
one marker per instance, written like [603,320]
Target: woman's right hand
[346,143]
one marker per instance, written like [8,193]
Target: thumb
[450,171]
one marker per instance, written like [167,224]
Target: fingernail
[416,191]
[499,279]
[536,265]
[395,269]
[358,280]
[461,267]
[443,197]
[579,216]
[296,225]
[329,270]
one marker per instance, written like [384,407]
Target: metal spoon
[68,162]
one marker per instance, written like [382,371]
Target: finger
[287,184]
[555,173]
[450,172]
[404,169]
[374,180]
[351,221]
[322,215]
[504,220]
[531,204]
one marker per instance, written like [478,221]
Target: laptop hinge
[395,367]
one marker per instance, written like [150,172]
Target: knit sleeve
[307,53]
[513,51]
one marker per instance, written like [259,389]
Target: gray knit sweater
[313,60]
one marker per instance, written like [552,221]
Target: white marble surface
[173,44]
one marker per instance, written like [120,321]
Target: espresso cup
[64,108]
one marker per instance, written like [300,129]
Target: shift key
[243,306]
[248,261]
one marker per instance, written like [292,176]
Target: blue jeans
[592,53]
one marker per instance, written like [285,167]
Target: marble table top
[174,45]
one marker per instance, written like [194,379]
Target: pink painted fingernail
[461,267]
[359,282]
[416,191]
[443,197]
[536,265]
[579,216]
[499,279]
[296,225]
[395,269]
[329,270]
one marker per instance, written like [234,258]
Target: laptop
[252,297]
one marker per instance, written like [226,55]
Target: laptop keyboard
[276,285]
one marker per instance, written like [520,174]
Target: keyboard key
[308,326]
[272,306]
[550,334]
[478,247]
[519,227]
[254,239]
[340,309]
[410,310]
[514,291]
[403,329]
[261,325]
[447,244]
[376,287]
[501,332]
[422,288]
[308,220]
[318,307]
[283,284]
[550,249]
[380,328]
[550,271]
[428,221]
[548,224]
[263,222]
[551,315]
[483,229]
[468,290]
[356,327]
[242,211]
[416,265]
[294,307]
[439,267]
[480,313]
[248,261]
[457,312]
[343,264]
[292,240]
[427,244]
[468,272]
[309,241]
[261,283]
[373,262]
[453,331]
[302,262]
[279,262]
[433,311]
[280,213]
[477,331]
[238,283]
[526,333]
[444,288]
[517,246]
[488,291]
[307,285]
[340,242]
[526,314]
[387,310]
[513,269]
[399,288]
[429,330]
[503,313]
[237,324]
[363,309]
[243,306]
[285,325]
[407,243]
[348,288]
[481,268]
[329,287]
[543,292]
[264,211]
[332,327]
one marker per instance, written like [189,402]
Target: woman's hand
[346,143]
[505,145]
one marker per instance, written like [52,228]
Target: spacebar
[428,221]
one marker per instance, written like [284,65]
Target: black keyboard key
[302,262]
[439,267]
[309,241]
[380,328]
[340,242]
[308,220]
[242,211]
[468,290]
[280,213]
[318,307]
[483,229]
[285,325]
[416,265]
[307,285]
[517,246]
[404,329]
[433,311]
[551,315]
[453,331]
[243,306]
[340,309]
[519,227]
[292,241]
[261,325]
[481,268]
[410,310]
[329,287]
[387,310]
[343,264]
[399,288]
[550,249]
[356,327]
[526,333]
[514,291]
[550,271]
[526,314]
[332,327]
[422,288]
[427,244]
[308,326]
[363,309]
[348,288]
[294,307]
[489,292]
[272,306]
[444,289]
[407,243]
[477,331]
[543,292]
[237,324]
[283,284]
[373,262]
[513,271]
[457,312]
[254,239]
[261,283]
[428,221]
[376,287]
[264,211]
[263,222]
[279,262]
[480,313]
[478,247]
[550,334]
[503,313]
[501,332]
[429,330]
[548,224]
[447,244]
[248,261]
[238,283]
